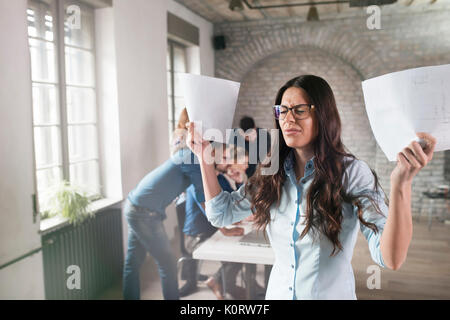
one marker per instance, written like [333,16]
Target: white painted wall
[108,124]
[23,280]
[132,46]
[141,45]
[200,60]
[140,39]
[18,234]
[206,50]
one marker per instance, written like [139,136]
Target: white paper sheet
[212,102]
[402,103]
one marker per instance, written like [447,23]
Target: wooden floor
[424,275]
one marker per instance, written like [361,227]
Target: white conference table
[228,249]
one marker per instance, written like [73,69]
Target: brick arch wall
[405,41]
[260,85]
[259,44]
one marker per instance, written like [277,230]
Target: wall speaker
[219,43]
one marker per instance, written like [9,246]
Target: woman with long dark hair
[312,207]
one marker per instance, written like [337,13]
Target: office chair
[440,192]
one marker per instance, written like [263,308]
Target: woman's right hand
[200,147]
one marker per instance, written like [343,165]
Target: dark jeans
[231,270]
[147,234]
[189,266]
[146,231]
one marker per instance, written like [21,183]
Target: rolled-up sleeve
[373,239]
[362,181]
[228,207]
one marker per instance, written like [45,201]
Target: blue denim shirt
[163,184]
[303,268]
[196,221]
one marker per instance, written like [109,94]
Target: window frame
[171,45]
[57,10]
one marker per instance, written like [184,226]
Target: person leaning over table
[312,207]
[144,210]
[197,228]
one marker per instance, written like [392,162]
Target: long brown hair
[326,195]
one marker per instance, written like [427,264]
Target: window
[176,64]
[64,96]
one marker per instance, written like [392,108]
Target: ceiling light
[313,14]
[236,5]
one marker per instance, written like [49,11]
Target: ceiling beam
[285,5]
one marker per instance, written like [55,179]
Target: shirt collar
[289,164]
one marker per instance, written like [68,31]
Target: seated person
[257,142]
[197,229]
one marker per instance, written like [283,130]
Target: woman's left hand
[412,159]
[232,232]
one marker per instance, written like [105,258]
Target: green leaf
[69,202]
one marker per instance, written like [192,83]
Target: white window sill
[56,222]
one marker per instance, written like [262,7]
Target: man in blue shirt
[144,209]
[145,212]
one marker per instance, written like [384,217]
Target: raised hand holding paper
[402,103]
[211,101]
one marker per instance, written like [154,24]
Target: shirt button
[290,288]
[292,266]
[292,245]
[292,223]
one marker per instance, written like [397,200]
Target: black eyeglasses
[300,111]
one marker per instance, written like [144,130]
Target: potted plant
[69,202]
